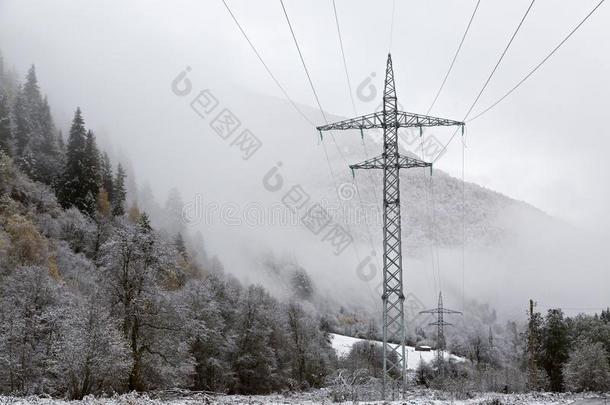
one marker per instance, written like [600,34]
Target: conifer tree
[36,149]
[21,128]
[31,89]
[91,172]
[47,149]
[73,189]
[119,194]
[30,131]
[144,223]
[106,180]
[5,127]
[555,347]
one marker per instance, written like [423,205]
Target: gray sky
[546,144]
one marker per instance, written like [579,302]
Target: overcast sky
[546,144]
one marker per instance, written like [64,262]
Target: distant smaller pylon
[440,323]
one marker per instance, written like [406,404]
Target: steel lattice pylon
[440,324]
[391,161]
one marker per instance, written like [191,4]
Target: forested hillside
[94,299]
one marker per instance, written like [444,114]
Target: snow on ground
[343,344]
[315,397]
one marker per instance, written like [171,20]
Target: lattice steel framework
[391,161]
[440,327]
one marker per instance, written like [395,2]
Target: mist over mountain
[512,249]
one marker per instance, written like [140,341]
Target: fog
[545,145]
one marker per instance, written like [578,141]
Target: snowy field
[343,344]
[420,397]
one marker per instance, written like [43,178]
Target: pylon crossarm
[439,310]
[451,311]
[369,121]
[437,324]
[373,163]
[407,162]
[404,162]
[409,120]
[403,120]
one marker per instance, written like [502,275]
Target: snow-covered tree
[209,339]
[106,180]
[91,174]
[312,356]
[256,356]
[91,355]
[73,190]
[35,149]
[132,262]
[29,319]
[587,368]
[119,194]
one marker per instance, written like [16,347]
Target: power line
[422,147]
[334,180]
[539,64]
[493,71]
[438,93]
[429,215]
[332,174]
[463,221]
[260,58]
[435,235]
[291,101]
[349,84]
[436,271]
[351,95]
[499,60]
[313,89]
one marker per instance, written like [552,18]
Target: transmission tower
[391,161]
[440,326]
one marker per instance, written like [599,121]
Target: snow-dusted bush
[28,246]
[77,229]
